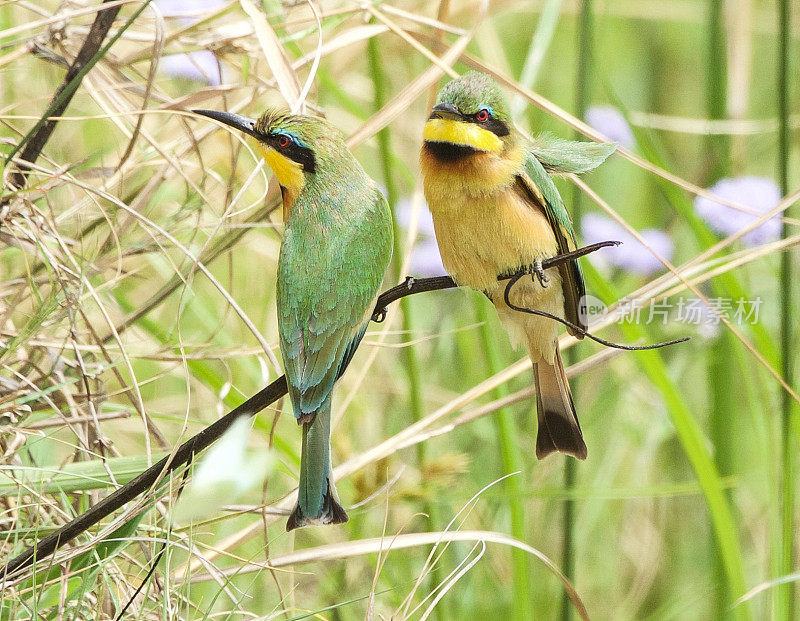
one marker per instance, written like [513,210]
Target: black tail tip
[332,513]
[556,435]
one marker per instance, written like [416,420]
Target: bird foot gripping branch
[538,273]
[413,285]
[379,314]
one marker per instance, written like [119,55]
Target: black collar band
[449,152]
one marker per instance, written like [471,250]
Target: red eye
[283,141]
[482,115]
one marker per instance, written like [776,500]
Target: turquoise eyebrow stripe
[293,138]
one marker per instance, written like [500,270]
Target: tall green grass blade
[693,443]
[786,598]
[582,96]
[410,359]
[79,476]
[717,146]
[722,359]
[512,461]
[540,42]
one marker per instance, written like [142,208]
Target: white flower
[225,472]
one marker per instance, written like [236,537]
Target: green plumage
[548,154]
[562,157]
[336,247]
[572,283]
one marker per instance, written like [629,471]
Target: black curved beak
[446,111]
[237,121]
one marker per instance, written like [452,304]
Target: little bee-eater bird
[496,211]
[336,246]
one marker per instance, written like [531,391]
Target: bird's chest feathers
[483,236]
[478,175]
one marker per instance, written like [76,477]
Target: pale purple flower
[758,193]
[186,8]
[610,122]
[631,256]
[424,218]
[694,311]
[425,258]
[200,65]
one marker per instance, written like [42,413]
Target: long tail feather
[559,429]
[317,500]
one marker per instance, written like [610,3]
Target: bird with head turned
[336,246]
[497,211]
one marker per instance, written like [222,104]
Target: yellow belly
[489,236]
[486,231]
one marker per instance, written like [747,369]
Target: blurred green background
[686,503]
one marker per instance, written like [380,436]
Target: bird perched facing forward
[496,211]
[336,246]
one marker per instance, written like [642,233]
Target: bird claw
[379,315]
[538,273]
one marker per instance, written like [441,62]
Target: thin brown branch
[97,33]
[274,391]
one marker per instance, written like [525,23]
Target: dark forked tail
[317,501]
[559,429]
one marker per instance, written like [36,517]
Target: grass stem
[786,592]
[721,360]
[582,91]
[508,437]
[409,354]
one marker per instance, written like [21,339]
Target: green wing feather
[559,156]
[540,190]
[326,287]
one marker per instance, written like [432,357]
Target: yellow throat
[462,133]
[288,172]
